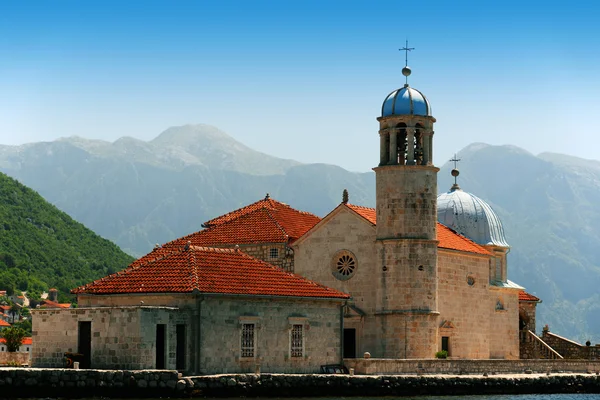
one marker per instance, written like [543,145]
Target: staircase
[532,347]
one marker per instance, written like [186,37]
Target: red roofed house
[200,310]
[425,272]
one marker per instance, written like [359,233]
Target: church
[270,286]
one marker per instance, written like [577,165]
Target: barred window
[274,253]
[297,341]
[247,340]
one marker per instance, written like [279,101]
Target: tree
[13,337]
[14,310]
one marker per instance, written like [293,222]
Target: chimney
[53,295]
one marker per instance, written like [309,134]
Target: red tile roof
[524,296]
[294,222]
[4,323]
[448,239]
[209,270]
[53,304]
[27,341]
[266,221]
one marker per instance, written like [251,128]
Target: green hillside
[42,247]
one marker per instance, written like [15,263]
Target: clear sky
[302,79]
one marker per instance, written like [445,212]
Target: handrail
[544,348]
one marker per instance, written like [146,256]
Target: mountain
[139,193]
[549,207]
[42,247]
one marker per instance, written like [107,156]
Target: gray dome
[406,101]
[471,217]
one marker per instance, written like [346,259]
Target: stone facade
[124,335]
[468,314]
[121,337]
[222,323]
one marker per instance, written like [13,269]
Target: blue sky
[302,80]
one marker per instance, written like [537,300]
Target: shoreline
[69,383]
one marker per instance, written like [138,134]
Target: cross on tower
[406,49]
[455,160]
[455,172]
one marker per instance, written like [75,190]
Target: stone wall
[464,308]
[35,383]
[456,367]
[267,385]
[122,337]
[570,349]
[71,383]
[14,358]
[222,318]
[314,259]
[265,252]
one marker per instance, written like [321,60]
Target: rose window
[343,265]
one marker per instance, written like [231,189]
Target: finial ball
[455,172]
[406,71]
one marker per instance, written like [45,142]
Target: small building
[200,310]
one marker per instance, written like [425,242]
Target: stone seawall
[23,382]
[42,382]
[275,385]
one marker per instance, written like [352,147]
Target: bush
[13,337]
[441,354]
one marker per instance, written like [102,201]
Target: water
[470,397]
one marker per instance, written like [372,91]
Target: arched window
[402,143]
[418,144]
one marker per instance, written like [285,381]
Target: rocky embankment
[68,383]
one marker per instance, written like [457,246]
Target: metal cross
[455,160]
[406,49]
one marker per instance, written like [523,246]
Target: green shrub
[441,354]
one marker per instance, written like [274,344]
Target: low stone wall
[379,366]
[279,385]
[34,382]
[64,383]
[15,358]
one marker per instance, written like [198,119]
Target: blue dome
[406,101]
[471,217]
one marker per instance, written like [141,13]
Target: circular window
[470,280]
[343,265]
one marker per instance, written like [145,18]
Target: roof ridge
[193,267]
[285,234]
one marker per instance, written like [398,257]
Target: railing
[541,347]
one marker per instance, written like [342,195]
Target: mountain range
[139,193]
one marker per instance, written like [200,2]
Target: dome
[471,217]
[406,101]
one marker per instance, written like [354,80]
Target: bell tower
[406,192]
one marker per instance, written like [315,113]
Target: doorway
[180,349]
[349,343]
[160,346]
[446,344]
[84,343]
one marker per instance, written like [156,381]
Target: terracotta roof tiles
[524,296]
[209,270]
[448,239]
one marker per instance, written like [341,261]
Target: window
[498,269]
[248,340]
[28,349]
[343,265]
[499,305]
[274,253]
[297,341]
